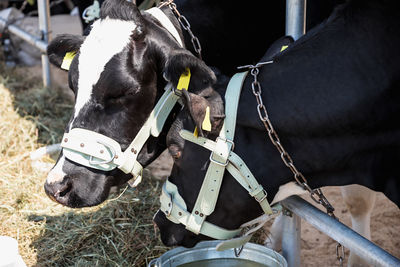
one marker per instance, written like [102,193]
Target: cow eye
[114,98]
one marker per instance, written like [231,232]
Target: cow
[333,98]
[93,186]
[75,185]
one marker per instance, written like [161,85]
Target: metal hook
[238,250]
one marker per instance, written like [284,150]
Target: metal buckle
[177,92]
[264,197]
[110,148]
[227,160]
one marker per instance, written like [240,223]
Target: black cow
[122,99]
[333,97]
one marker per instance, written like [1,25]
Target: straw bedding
[119,232]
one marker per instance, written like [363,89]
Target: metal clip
[238,251]
[259,64]
[340,254]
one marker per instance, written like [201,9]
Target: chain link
[315,194]
[185,25]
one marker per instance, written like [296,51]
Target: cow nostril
[63,190]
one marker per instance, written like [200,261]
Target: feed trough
[204,254]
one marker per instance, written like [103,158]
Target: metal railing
[37,41]
[301,209]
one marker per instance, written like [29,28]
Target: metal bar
[44,27]
[39,42]
[340,232]
[291,238]
[291,231]
[295,18]
[33,40]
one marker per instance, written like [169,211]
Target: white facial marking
[107,38]
[56,174]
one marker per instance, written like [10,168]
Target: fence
[38,41]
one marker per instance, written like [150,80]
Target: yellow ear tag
[206,125]
[196,132]
[284,47]
[69,56]
[184,80]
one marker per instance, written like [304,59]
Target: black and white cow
[116,76]
[333,97]
[113,71]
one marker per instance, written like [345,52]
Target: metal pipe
[291,238]
[44,27]
[291,231]
[340,232]
[27,37]
[295,18]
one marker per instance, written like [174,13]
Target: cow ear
[204,104]
[64,46]
[206,112]
[202,77]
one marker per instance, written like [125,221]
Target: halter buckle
[224,164]
[264,197]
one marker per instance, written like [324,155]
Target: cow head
[117,77]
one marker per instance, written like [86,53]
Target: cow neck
[100,152]
[222,157]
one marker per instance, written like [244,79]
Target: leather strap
[174,207]
[208,195]
[237,168]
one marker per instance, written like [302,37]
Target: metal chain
[316,194]
[185,25]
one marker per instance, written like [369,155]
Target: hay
[117,233]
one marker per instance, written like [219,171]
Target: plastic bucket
[205,255]
[9,256]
